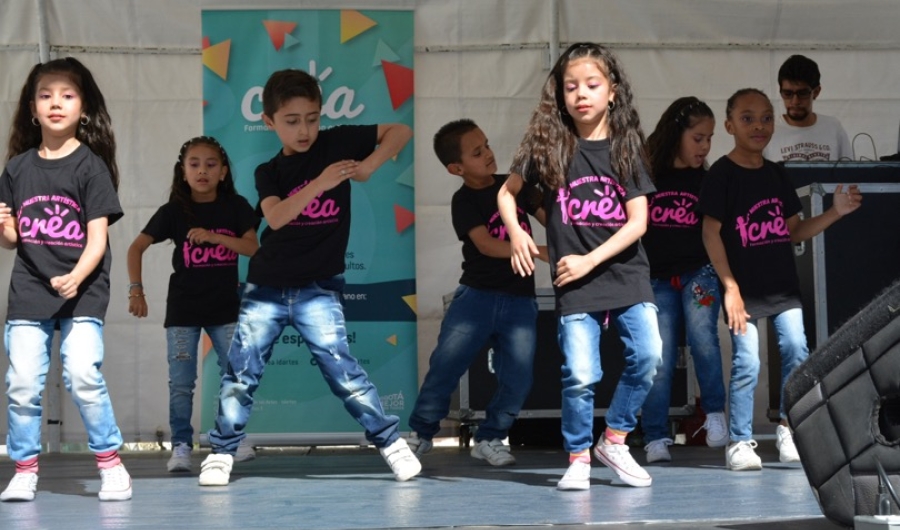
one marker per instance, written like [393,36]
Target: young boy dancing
[296,276]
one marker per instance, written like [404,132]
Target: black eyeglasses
[803,93]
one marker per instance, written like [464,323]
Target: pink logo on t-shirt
[497,229]
[674,209]
[209,255]
[318,211]
[764,224]
[48,221]
[601,207]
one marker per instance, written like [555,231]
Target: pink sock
[584,456]
[27,466]
[108,459]
[614,436]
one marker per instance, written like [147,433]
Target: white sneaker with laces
[577,477]
[403,462]
[784,441]
[21,488]
[716,430]
[245,451]
[115,484]
[740,456]
[216,470]
[419,446]
[180,459]
[494,452]
[658,450]
[618,457]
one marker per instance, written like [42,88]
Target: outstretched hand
[846,201]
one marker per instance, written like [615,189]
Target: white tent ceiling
[484,59]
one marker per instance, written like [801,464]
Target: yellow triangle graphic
[215,58]
[353,23]
[392,340]
[411,302]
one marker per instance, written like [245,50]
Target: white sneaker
[115,484]
[180,459]
[419,446]
[740,456]
[577,477]
[658,450]
[716,429]
[618,457]
[245,451]
[403,462]
[21,488]
[216,470]
[494,452]
[784,441]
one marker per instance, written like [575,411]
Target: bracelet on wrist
[135,284]
[135,296]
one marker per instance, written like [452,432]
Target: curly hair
[181,190]
[551,137]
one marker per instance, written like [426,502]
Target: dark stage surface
[352,488]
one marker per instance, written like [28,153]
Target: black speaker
[843,404]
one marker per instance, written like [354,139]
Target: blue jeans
[475,319]
[183,343]
[745,367]
[28,344]
[692,303]
[579,340]
[315,311]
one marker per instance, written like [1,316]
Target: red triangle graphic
[277,29]
[403,218]
[399,81]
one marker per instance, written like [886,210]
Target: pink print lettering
[601,207]
[674,209]
[318,208]
[764,224]
[46,225]
[497,229]
[209,255]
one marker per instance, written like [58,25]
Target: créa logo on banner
[337,104]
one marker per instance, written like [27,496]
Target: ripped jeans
[183,343]
[316,312]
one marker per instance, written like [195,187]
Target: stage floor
[352,488]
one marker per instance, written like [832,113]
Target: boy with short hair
[491,305]
[296,276]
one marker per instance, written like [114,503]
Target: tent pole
[554,32]
[43,42]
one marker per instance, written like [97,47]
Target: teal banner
[364,63]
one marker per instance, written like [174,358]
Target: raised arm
[843,203]
[392,137]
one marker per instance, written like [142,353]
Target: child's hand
[522,248]
[734,311]
[137,304]
[201,235]
[572,267]
[66,285]
[337,173]
[846,201]
[5,212]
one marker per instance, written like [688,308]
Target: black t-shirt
[581,216]
[312,246]
[53,201]
[203,290]
[471,208]
[674,238]
[753,206]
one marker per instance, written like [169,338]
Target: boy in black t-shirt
[296,276]
[492,305]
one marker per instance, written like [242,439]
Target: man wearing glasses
[802,135]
